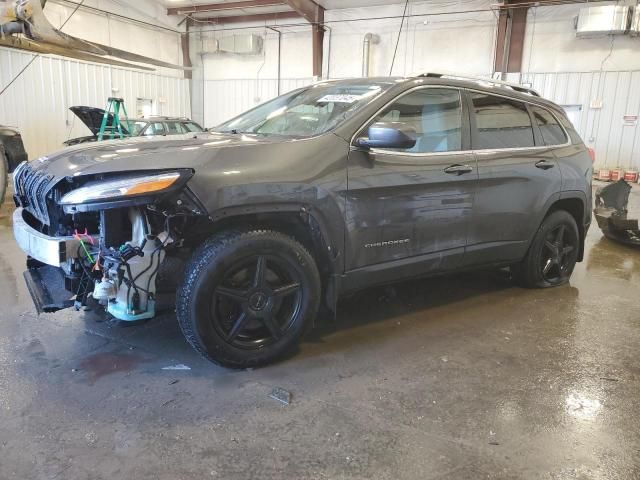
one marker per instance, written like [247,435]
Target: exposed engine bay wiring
[99,265]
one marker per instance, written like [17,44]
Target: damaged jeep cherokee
[320,192]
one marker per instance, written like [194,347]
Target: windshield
[307,112]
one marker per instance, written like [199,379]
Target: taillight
[592,154]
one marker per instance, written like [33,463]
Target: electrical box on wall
[241,44]
[208,45]
[603,20]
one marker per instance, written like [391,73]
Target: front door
[415,202]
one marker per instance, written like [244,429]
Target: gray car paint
[360,198]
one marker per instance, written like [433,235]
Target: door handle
[458,169]
[545,164]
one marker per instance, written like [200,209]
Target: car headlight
[121,189]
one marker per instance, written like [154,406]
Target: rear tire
[552,255]
[247,298]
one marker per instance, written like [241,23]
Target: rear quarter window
[550,129]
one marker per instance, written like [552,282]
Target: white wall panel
[224,99]
[616,143]
[550,44]
[38,102]
[434,38]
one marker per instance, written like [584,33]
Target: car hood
[229,170]
[92,118]
[195,151]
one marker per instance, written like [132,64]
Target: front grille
[31,188]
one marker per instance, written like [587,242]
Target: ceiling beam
[512,22]
[219,7]
[310,10]
[519,4]
[259,17]
[314,14]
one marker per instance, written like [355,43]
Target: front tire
[4,172]
[552,255]
[248,297]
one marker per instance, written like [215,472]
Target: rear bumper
[54,251]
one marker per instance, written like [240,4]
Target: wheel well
[300,226]
[575,207]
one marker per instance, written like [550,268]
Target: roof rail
[513,86]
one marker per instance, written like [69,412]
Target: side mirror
[388,135]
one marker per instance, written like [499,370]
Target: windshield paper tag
[340,98]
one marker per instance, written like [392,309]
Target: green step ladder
[114,107]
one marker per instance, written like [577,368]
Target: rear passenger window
[174,128]
[154,129]
[501,123]
[192,127]
[436,116]
[552,132]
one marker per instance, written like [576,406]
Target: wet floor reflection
[464,376]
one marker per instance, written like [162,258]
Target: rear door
[417,201]
[518,178]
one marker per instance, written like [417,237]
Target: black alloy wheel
[257,302]
[247,298]
[557,258]
[553,253]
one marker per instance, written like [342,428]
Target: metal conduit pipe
[369,38]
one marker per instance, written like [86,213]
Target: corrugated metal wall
[617,143]
[224,99]
[37,103]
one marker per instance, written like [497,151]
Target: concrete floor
[459,378]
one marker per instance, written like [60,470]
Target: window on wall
[144,107]
[436,116]
[552,132]
[501,123]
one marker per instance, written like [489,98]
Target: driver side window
[436,116]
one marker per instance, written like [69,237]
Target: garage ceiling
[220,8]
[234,8]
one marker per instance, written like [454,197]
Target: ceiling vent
[603,20]
[241,44]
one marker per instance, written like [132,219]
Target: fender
[579,195]
[582,226]
[327,236]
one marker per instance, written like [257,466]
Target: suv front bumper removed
[54,251]
[45,277]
